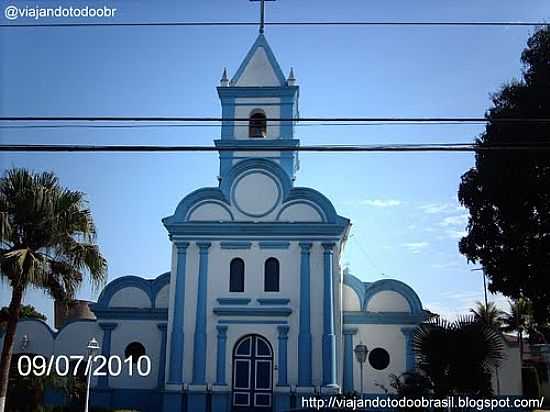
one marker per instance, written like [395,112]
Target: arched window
[271,275]
[257,126]
[135,350]
[236,275]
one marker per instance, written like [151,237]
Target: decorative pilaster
[283,358]
[199,342]
[348,359]
[162,364]
[304,335]
[410,361]
[329,337]
[175,375]
[220,359]
[107,328]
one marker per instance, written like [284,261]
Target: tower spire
[262,14]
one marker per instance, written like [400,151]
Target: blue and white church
[256,311]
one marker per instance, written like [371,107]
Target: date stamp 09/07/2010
[76,365]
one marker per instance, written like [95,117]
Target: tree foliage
[508,192]
[488,314]
[47,241]
[458,357]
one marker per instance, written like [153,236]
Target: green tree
[27,311]
[518,319]
[458,357]
[507,193]
[47,241]
[489,314]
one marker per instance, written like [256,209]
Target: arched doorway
[252,374]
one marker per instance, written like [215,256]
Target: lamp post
[361,356]
[92,347]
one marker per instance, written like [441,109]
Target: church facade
[256,311]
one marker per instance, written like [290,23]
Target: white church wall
[146,333]
[258,72]
[40,339]
[509,373]
[130,297]
[209,212]
[317,312]
[191,287]
[171,297]
[256,193]
[162,298]
[388,337]
[350,300]
[299,212]
[388,301]
[73,339]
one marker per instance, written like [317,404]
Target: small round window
[135,350]
[379,358]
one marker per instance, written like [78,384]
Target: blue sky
[406,219]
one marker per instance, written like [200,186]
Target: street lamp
[361,356]
[92,347]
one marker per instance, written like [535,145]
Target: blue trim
[172,401]
[273,301]
[200,195]
[209,230]
[261,42]
[177,340]
[151,287]
[283,341]
[146,400]
[252,322]
[251,311]
[265,143]
[384,318]
[410,360]
[220,358]
[107,327]
[199,341]
[131,313]
[348,359]
[207,202]
[241,176]
[235,245]
[228,112]
[358,287]
[273,244]
[304,336]
[233,301]
[287,94]
[317,198]
[52,332]
[396,286]
[162,364]
[329,337]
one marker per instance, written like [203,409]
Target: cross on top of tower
[262,13]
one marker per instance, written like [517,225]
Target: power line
[272,119]
[131,126]
[449,147]
[288,23]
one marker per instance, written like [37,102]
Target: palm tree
[488,314]
[517,320]
[457,357]
[46,241]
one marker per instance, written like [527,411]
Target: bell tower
[256,94]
